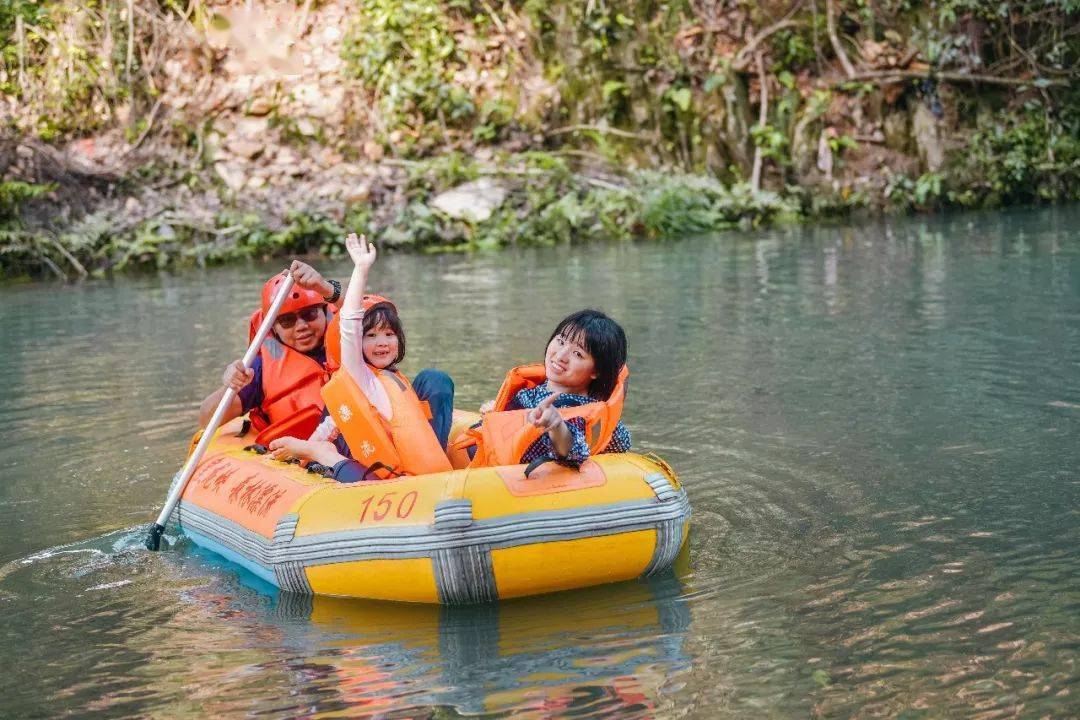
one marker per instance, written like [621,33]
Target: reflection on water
[877,426]
[221,643]
[581,653]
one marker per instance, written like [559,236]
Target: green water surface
[877,425]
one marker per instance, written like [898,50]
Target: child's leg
[437,389]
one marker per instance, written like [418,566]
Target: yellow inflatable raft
[465,536]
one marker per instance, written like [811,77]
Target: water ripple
[876,426]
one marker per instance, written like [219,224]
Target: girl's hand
[236,376]
[545,415]
[309,278]
[361,251]
[487,407]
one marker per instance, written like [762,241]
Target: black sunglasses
[308,315]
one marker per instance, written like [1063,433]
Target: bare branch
[830,22]
[130,58]
[53,266]
[763,117]
[146,130]
[889,76]
[746,54]
[601,129]
[304,18]
[70,258]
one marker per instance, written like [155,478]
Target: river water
[877,425]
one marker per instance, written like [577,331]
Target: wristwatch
[337,292]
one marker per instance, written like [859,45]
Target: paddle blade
[153,537]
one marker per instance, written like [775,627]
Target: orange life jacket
[291,383]
[403,445]
[504,436]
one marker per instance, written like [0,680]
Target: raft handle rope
[549,458]
[153,536]
[257,449]
[380,466]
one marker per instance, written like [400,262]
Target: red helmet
[371,301]
[298,299]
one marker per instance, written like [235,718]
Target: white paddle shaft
[226,400]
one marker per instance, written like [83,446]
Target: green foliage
[73,59]
[820,203]
[495,114]
[405,52]
[679,97]
[773,143]
[440,173]
[677,205]
[617,61]
[19,250]
[549,204]
[840,143]
[682,207]
[32,13]
[14,193]
[925,192]
[983,33]
[1025,159]
[168,239]
[793,49]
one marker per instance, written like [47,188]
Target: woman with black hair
[582,364]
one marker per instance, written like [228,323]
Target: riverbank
[442,205]
[446,204]
[138,134]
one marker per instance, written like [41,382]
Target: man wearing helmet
[286,376]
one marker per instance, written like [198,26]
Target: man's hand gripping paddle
[153,537]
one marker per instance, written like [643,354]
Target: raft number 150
[404,506]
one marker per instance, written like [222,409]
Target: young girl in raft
[582,361]
[369,339]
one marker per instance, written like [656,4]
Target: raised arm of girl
[352,361]
[352,325]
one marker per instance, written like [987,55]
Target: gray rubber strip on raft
[669,536]
[464,576]
[285,529]
[669,533]
[506,531]
[233,536]
[453,514]
[292,576]
[661,485]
